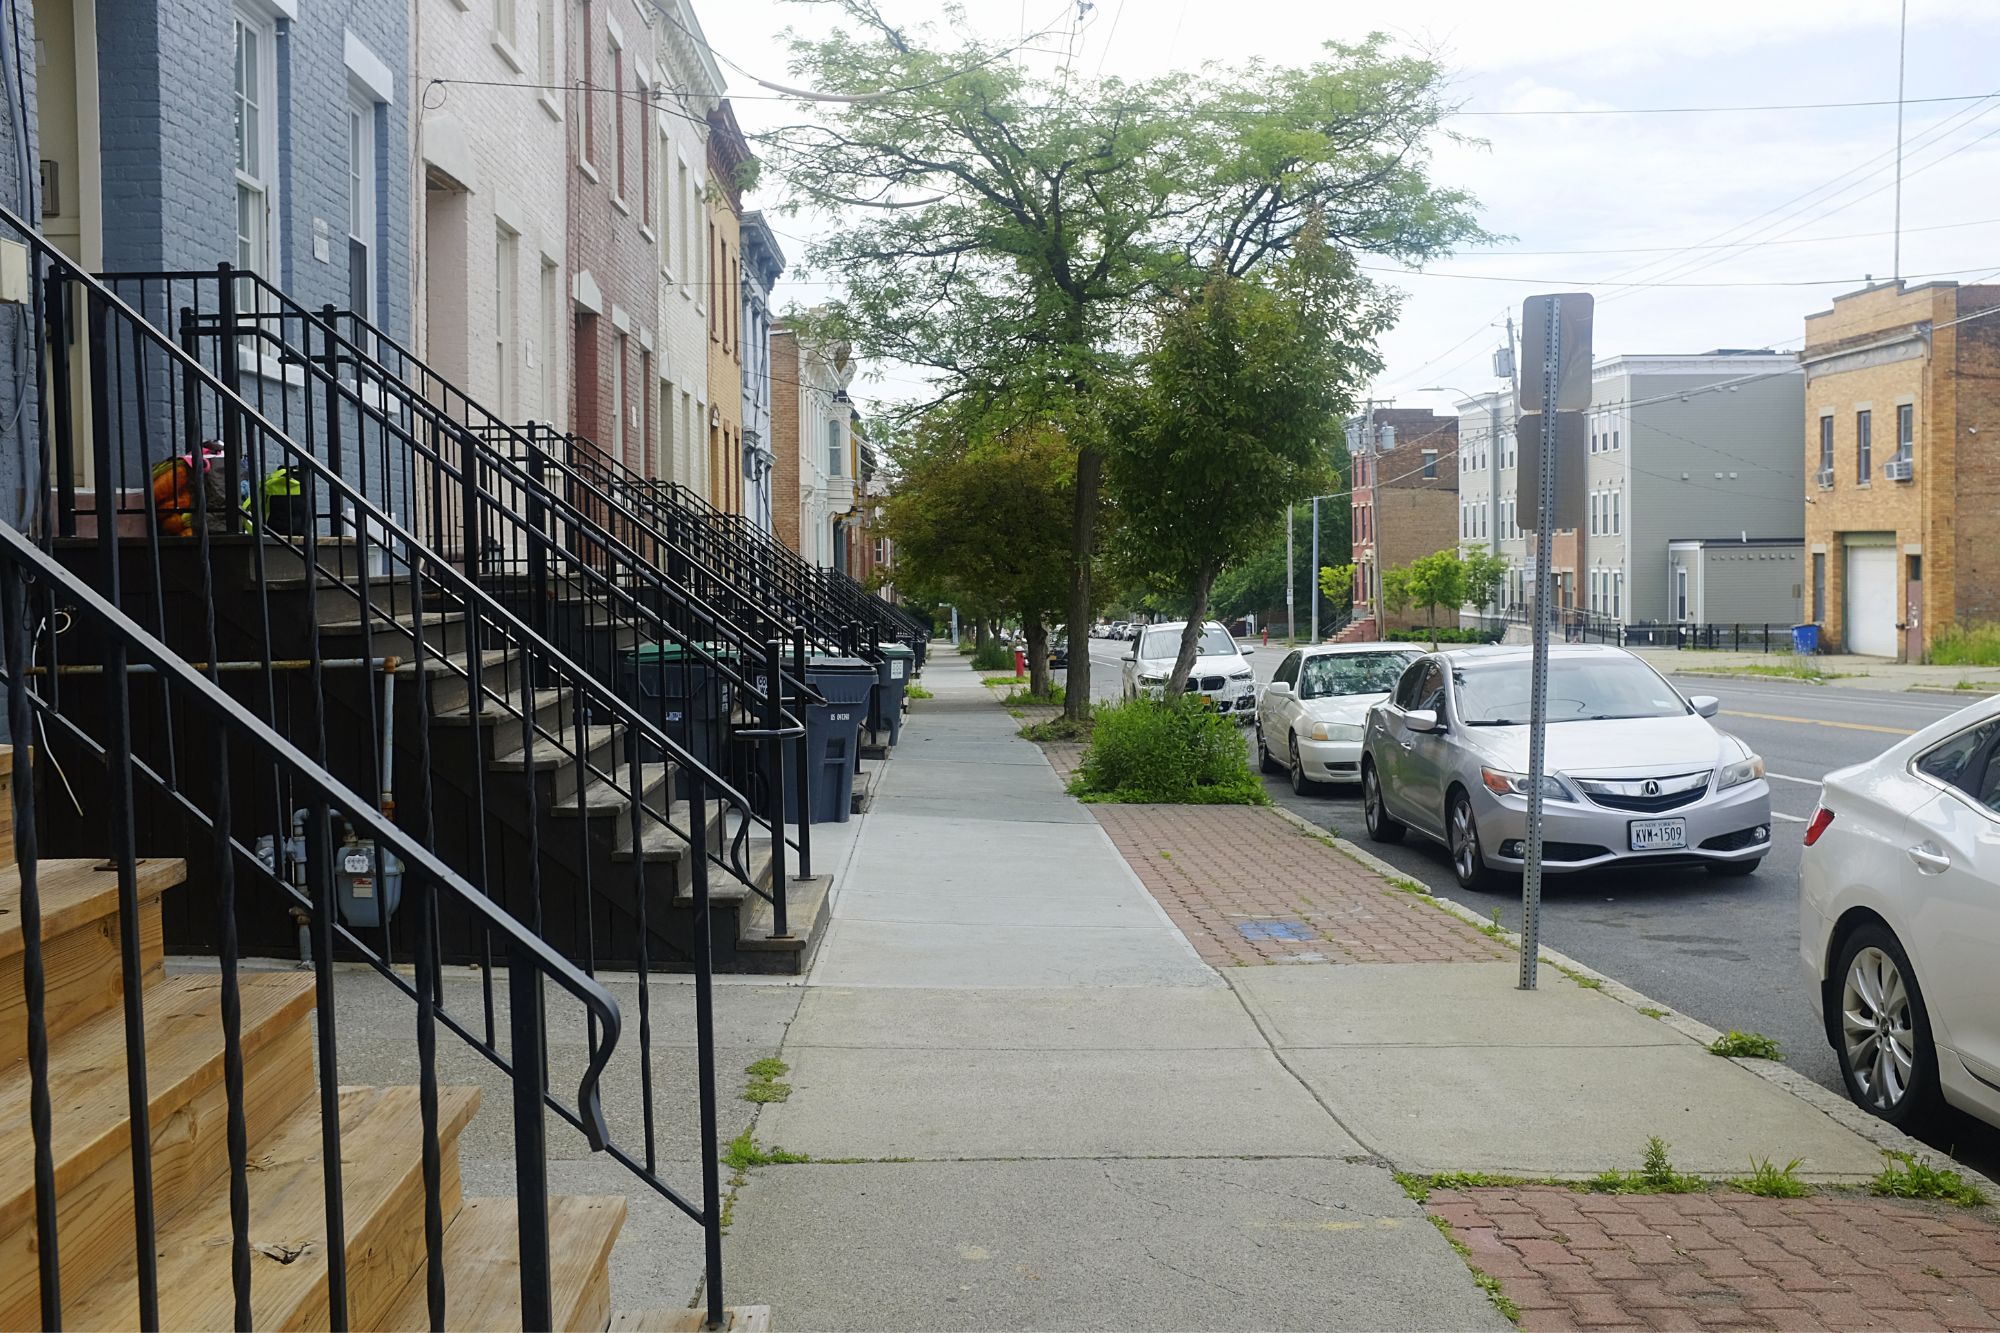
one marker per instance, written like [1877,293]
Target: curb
[1840,1110]
[1986,690]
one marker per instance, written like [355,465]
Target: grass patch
[1773,1181]
[964,647]
[915,691]
[1419,1187]
[1053,699]
[745,1152]
[1656,1175]
[1058,729]
[1796,668]
[1581,979]
[1481,1279]
[1745,1046]
[1651,1012]
[1967,645]
[1166,752]
[1904,1177]
[995,656]
[765,1083]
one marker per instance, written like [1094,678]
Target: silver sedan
[1635,773]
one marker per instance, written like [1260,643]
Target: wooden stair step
[188,1116]
[81,968]
[382,1192]
[482,1269]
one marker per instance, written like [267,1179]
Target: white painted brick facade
[681,420]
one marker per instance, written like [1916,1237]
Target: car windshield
[1351,673]
[1580,690]
[1166,643]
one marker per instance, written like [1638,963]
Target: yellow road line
[1821,722]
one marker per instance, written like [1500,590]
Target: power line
[1719,110]
[1736,245]
[1847,280]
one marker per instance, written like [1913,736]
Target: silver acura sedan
[1636,775]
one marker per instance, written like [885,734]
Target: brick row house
[1404,502]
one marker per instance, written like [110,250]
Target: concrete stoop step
[865,782]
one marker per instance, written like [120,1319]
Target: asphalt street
[1723,950]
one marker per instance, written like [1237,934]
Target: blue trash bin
[1805,640]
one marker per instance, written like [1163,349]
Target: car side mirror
[1131,657]
[1277,689]
[1705,704]
[1422,719]
[1246,648]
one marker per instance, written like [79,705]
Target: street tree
[1484,571]
[1244,381]
[1436,580]
[1336,584]
[980,519]
[1005,230]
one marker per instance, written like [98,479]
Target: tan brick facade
[785,436]
[1405,504]
[1880,352]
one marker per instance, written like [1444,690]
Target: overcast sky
[1570,183]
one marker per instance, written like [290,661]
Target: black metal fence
[1576,625]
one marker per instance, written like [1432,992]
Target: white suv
[1220,673]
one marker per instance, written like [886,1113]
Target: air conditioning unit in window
[1899,469]
[1825,478]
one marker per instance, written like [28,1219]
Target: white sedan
[1899,921]
[1313,713]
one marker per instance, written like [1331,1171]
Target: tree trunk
[1083,552]
[1191,635]
[979,634]
[1038,653]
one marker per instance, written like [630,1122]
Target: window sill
[549,104]
[507,52]
[268,367]
[590,172]
[618,202]
[647,232]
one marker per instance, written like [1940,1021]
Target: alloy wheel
[1465,857]
[1876,1027]
[1296,767]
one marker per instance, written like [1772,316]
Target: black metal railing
[242,759]
[461,522]
[1580,625]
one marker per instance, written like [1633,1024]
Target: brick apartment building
[1405,503]
[612,236]
[1902,463]
[728,155]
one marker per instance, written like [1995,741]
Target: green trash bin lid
[659,651]
[896,650]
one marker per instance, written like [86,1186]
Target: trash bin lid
[897,650]
[662,651]
[835,665]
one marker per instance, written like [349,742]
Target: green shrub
[995,656]
[1445,634]
[1967,645]
[1745,1046]
[965,647]
[1154,752]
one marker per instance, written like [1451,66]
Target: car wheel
[1381,828]
[1468,858]
[1265,764]
[1882,1031]
[1301,784]
[1734,869]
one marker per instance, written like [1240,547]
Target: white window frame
[619,347]
[263,255]
[1618,513]
[552,321]
[506,317]
[833,449]
[1618,594]
[362,113]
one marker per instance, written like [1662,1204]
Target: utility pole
[1291,582]
[1312,591]
[1902,42]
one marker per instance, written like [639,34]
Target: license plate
[1652,835]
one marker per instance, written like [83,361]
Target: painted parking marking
[1803,782]
[1790,819]
[1821,722]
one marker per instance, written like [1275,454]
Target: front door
[1913,611]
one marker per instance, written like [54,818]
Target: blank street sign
[1572,463]
[1572,312]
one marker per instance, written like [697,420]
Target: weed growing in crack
[1905,1177]
[765,1085]
[1745,1046]
[744,1152]
[1656,1175]
[1481,1279]
[1773,1181]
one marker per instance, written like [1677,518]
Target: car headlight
[1335,731]
[1239,675]
[1740,772]
[1502,783]
[1147,678]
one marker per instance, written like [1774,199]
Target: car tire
[1468,856]
[1295,766]
[1870,960]
[1265,764]
[1382,827]
[1734,869]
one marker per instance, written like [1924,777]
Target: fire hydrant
[1020,664]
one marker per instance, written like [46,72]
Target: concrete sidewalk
[1031,1101]
[1842,670]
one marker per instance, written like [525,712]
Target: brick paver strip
[1728,1260]
[1247,887]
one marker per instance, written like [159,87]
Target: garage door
[1870,612]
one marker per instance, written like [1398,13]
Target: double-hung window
[1826,447]
[361,228]
[1617,511]
[254,105]
[1906,431]
[833,468]
[1864,445]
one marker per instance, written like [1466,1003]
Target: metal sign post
[1558,329]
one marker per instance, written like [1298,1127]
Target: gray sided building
[763,265]
[1684,453]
